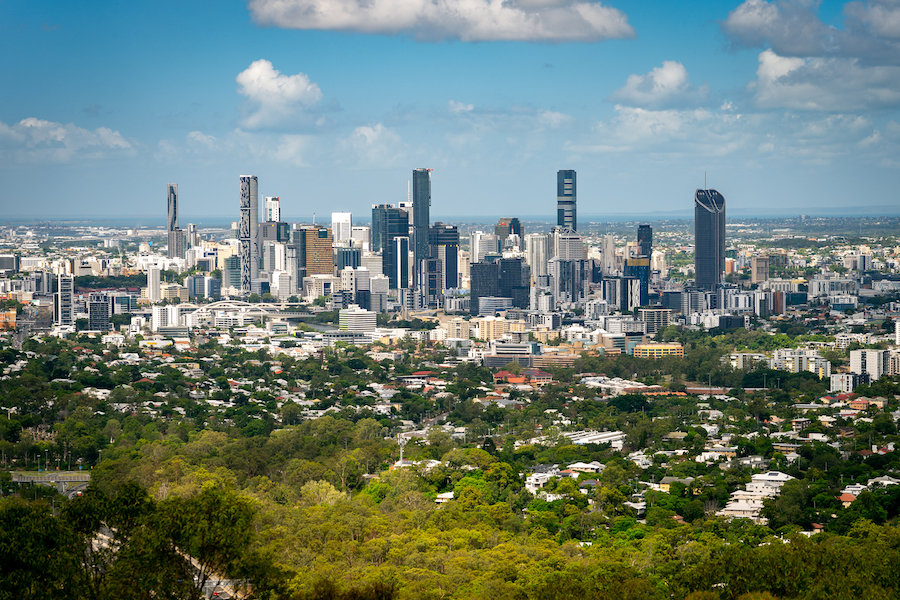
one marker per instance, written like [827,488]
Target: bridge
[62,479]
[285,310]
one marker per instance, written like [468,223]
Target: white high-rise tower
[341,227]
[537,253]
[272,208]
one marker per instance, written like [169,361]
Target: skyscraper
[272,208]
[379,225]
[709,239]
[537,253]
[482,244]
[315,255]
[515,280]
[566,245]
[396,263]
[389,223]
[608,255]
[565,200]
[153,281]
[444,241]
[639,268]
[172,204]
[247,234]
[506,227]
[175,235]
[645,240]
[421,213]
[341,226]
[65,300]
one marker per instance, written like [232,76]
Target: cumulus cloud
[466,20]
[871,30]
[634,129]
[883,17]
[200,148]
[36,140]
[375,144]
[826,84]
[553,119]
[294,149]
[198,137]
[756,138]
[667,85]
[458,107]
[276,98]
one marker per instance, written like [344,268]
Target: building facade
[709,239]
[247,232]
[565,200]
[421,213]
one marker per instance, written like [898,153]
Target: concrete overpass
[63,480]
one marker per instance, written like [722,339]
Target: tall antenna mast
[704,180]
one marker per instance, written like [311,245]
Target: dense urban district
[602,428]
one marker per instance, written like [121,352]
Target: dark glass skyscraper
[565,200]
[645,240]
[421,216]
[515,280]
[506,227]
[484,281]
[640,268]
[444,241]
[379,225]
[175,235]
[709,239]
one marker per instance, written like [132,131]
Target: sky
[786,107]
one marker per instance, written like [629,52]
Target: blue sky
[787,107]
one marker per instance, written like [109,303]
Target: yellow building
[172,291]
[458,328]
[316,253]
[656,350]
[491,328]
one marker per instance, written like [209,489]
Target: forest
[253,492]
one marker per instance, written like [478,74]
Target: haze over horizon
[786,108]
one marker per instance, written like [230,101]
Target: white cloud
[198,148]
[294,149]
[276,98]
[883,17]
[871,30]
[375,145]
[458,107]
[466,20]
[553,119]
[676,132]
[824,84]
[667,85]
[36,140]
[201,138]
[873,139]
[798,138]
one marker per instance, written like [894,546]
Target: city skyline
[784,106]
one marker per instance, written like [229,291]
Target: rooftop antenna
[704,180]
[314,219]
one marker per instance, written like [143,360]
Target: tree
[188,542]
[38,552]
